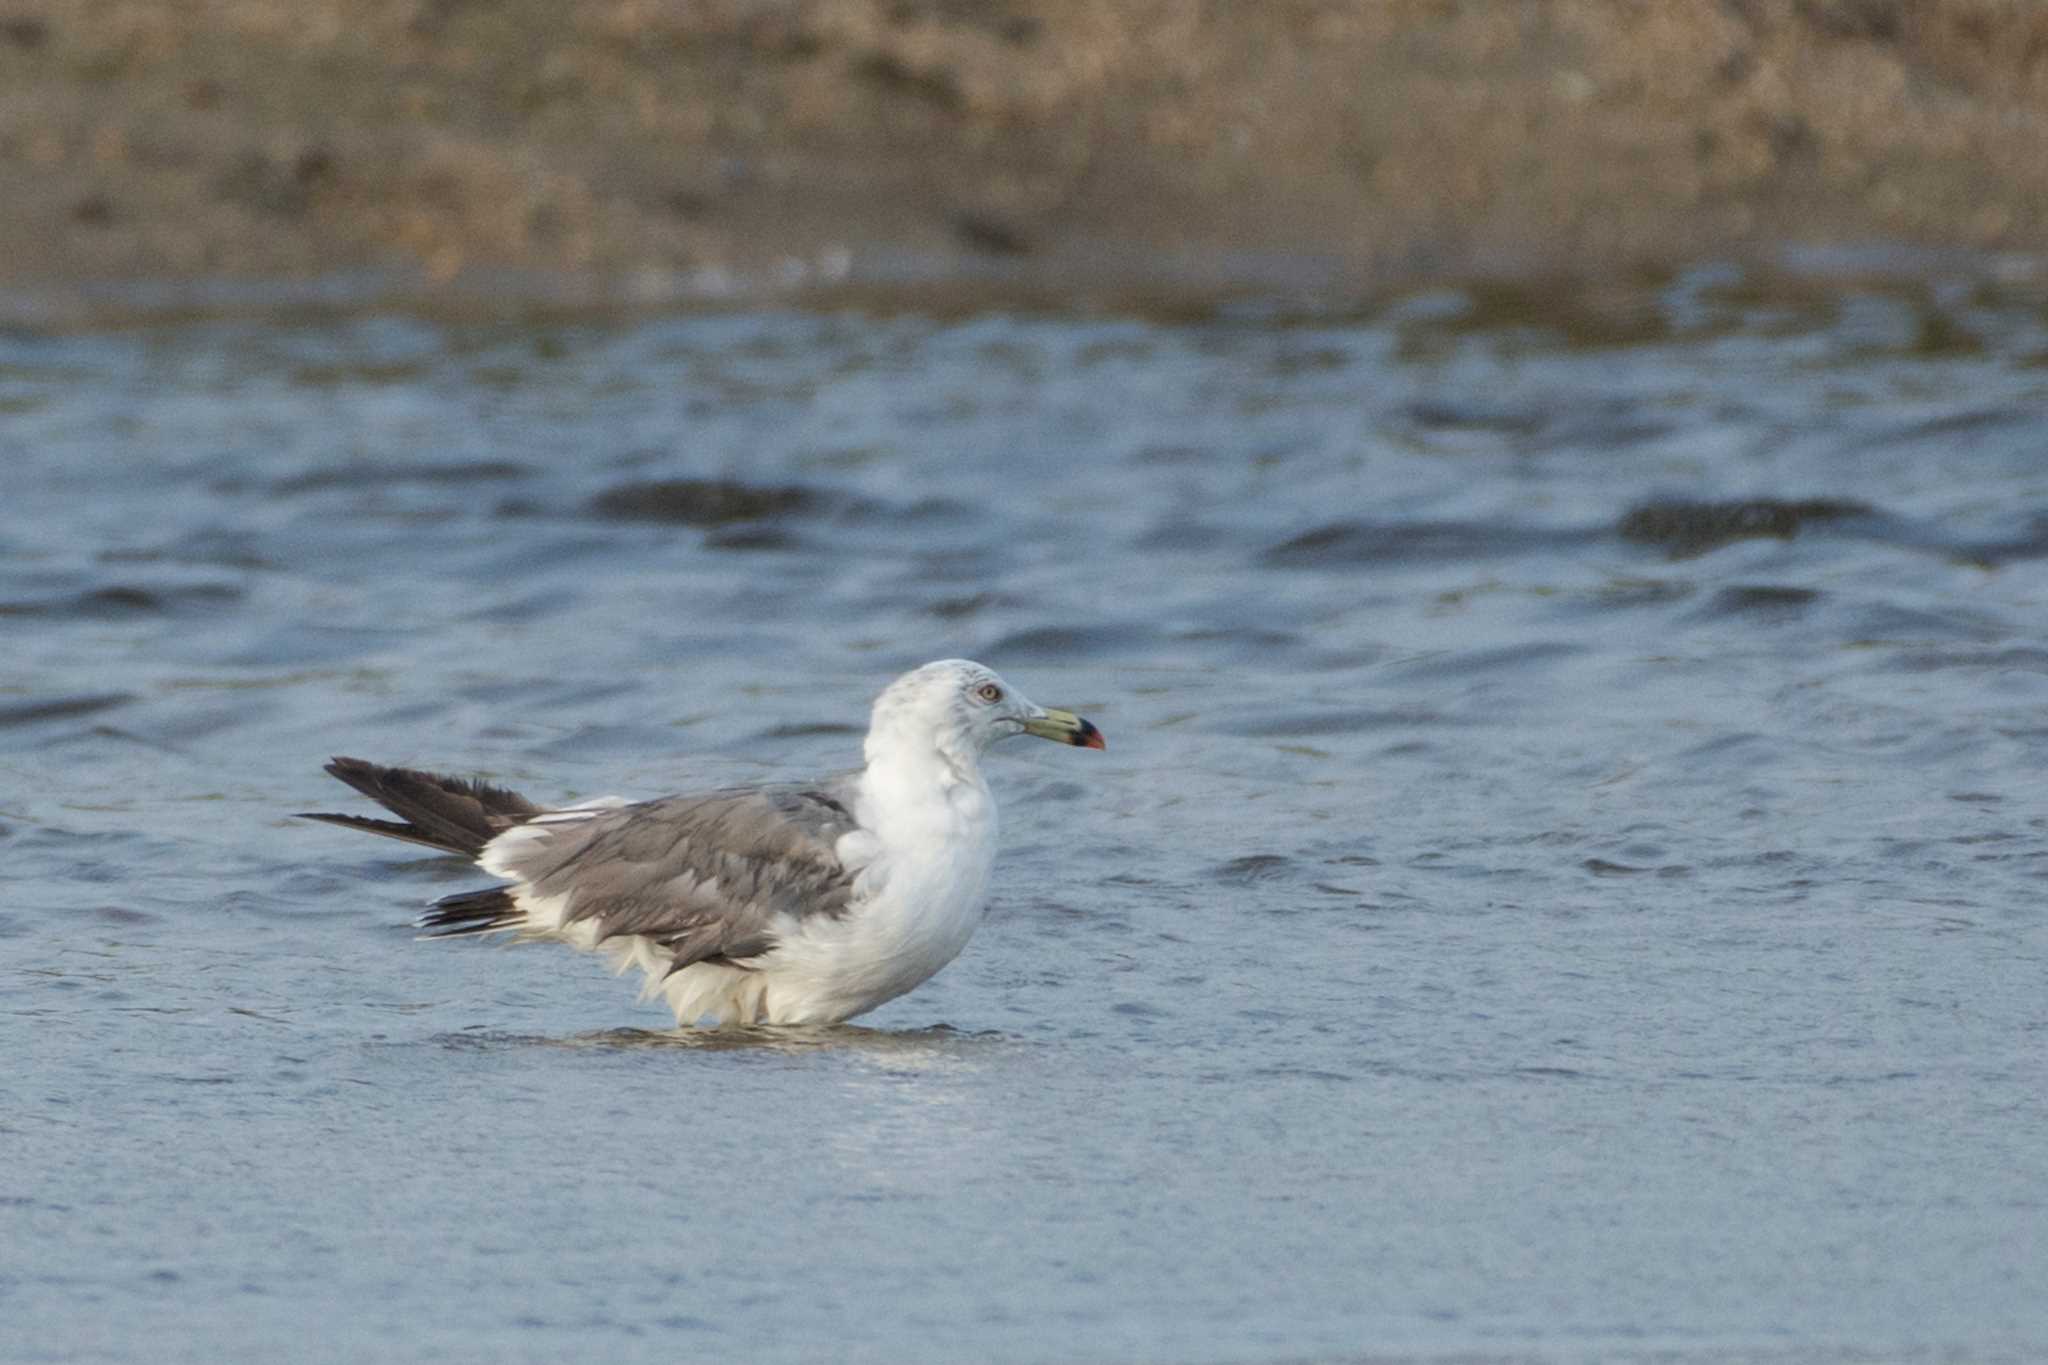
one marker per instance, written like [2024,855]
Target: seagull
[784,904]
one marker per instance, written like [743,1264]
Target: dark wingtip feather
[471,912]
[457,815]
[390,829]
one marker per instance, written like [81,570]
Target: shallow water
[1566,880]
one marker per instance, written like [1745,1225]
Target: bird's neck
[916,784]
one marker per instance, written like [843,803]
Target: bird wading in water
[803,903]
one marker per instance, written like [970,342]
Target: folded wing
[715,877]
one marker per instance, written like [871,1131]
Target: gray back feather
[705,876]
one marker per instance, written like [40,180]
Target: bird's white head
[958,708]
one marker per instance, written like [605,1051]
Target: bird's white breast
[920,897]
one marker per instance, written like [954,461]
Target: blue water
[1566,882]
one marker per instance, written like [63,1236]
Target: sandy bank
[650,148]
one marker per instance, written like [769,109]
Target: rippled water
[1566,881]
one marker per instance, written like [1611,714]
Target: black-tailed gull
[784,904]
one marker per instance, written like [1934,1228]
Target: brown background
[662,146]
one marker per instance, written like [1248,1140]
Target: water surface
[1565,884]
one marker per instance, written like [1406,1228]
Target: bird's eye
[989,692]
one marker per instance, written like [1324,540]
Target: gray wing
[704,876]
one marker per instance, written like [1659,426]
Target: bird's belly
[886,944]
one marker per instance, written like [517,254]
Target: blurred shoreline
[476,154]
